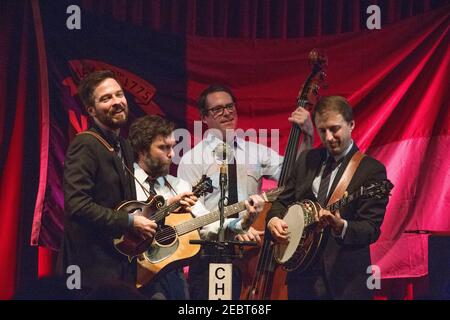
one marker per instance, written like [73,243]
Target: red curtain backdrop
[396,79]
[19,123]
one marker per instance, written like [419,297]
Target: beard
[109,120]
[156,168]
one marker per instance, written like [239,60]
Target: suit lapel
[314,163]
[129,159]
[121,171]
[126,179]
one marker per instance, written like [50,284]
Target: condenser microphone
[223,153]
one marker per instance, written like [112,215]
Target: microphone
[223,153]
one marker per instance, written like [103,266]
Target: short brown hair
[144,130]
[212,89]
[334,103]
[89,83]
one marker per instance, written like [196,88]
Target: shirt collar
[213,141]
[112,138]
[340,157]
[142,176]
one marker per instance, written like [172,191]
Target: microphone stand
[223,181]
[223,254]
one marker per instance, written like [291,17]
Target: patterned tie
[325,181]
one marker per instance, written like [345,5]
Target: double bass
[262,277]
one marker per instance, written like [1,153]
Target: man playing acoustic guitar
[153,142]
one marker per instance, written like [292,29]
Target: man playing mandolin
[96,180]
[339,269]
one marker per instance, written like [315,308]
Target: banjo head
[295,219]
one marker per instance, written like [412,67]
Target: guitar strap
[346,177]
[111,149]
[99,138]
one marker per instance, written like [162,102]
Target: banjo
[305,236]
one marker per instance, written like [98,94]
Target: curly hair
[145,129]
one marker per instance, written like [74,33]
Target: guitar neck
[345,201]
[209,218]
[166,210]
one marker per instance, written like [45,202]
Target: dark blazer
[95,182]
[344,261]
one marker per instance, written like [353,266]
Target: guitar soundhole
[166,235]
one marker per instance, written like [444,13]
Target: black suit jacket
[344,261]
[95,182]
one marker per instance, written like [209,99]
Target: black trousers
[171,285]
[309,287]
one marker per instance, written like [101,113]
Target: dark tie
[151,183]
[118,150]
[325,181]
[232,184]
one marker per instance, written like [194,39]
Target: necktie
[325,181]
[232,185]
[151,183]
[118,150]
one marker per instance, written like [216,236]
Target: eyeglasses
[218,111]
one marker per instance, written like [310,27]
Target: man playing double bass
[218,108]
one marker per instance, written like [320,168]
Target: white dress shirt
[316,181]
[170,186]
[253,161]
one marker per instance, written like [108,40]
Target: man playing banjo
[339,269]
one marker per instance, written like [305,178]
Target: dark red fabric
[13,130]
[257,19]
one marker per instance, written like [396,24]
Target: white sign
[220,281]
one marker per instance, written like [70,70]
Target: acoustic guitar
[171,243]
[131,244]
